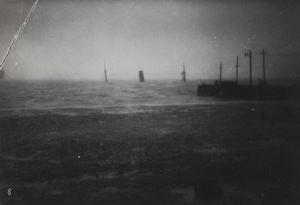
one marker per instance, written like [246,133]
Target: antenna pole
[220,73]
[250,56]
[264,73]
[105,74]
[237,69]
[183,74]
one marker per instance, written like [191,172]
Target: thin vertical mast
[183,73]
[237,69]
[264,73]
[249,53]
[220,73]
[250,56]
[105,74]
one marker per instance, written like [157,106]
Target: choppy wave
[18,96]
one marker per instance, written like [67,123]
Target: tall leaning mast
[183,73]
[105,73]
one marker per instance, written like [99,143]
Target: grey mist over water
[68,137]
[72,39]
[129,96]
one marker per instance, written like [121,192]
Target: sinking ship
[234,90]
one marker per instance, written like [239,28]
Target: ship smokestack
[141,75]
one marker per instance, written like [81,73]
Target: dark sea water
[71,97]
[68,142]
[119,95]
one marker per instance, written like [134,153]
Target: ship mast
[183,74]
[105,73]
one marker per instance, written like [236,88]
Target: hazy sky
[72,38]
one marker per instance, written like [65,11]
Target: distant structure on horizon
[183,74]
[141,76]
[233,90]
[1,74]
[105,73]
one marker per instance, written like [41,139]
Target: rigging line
[18,34]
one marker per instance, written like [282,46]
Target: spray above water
[18,34]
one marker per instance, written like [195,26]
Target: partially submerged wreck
[233,90]
[141,76]
[230,89]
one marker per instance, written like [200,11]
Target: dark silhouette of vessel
[231,90]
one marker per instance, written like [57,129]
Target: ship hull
[233,91]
